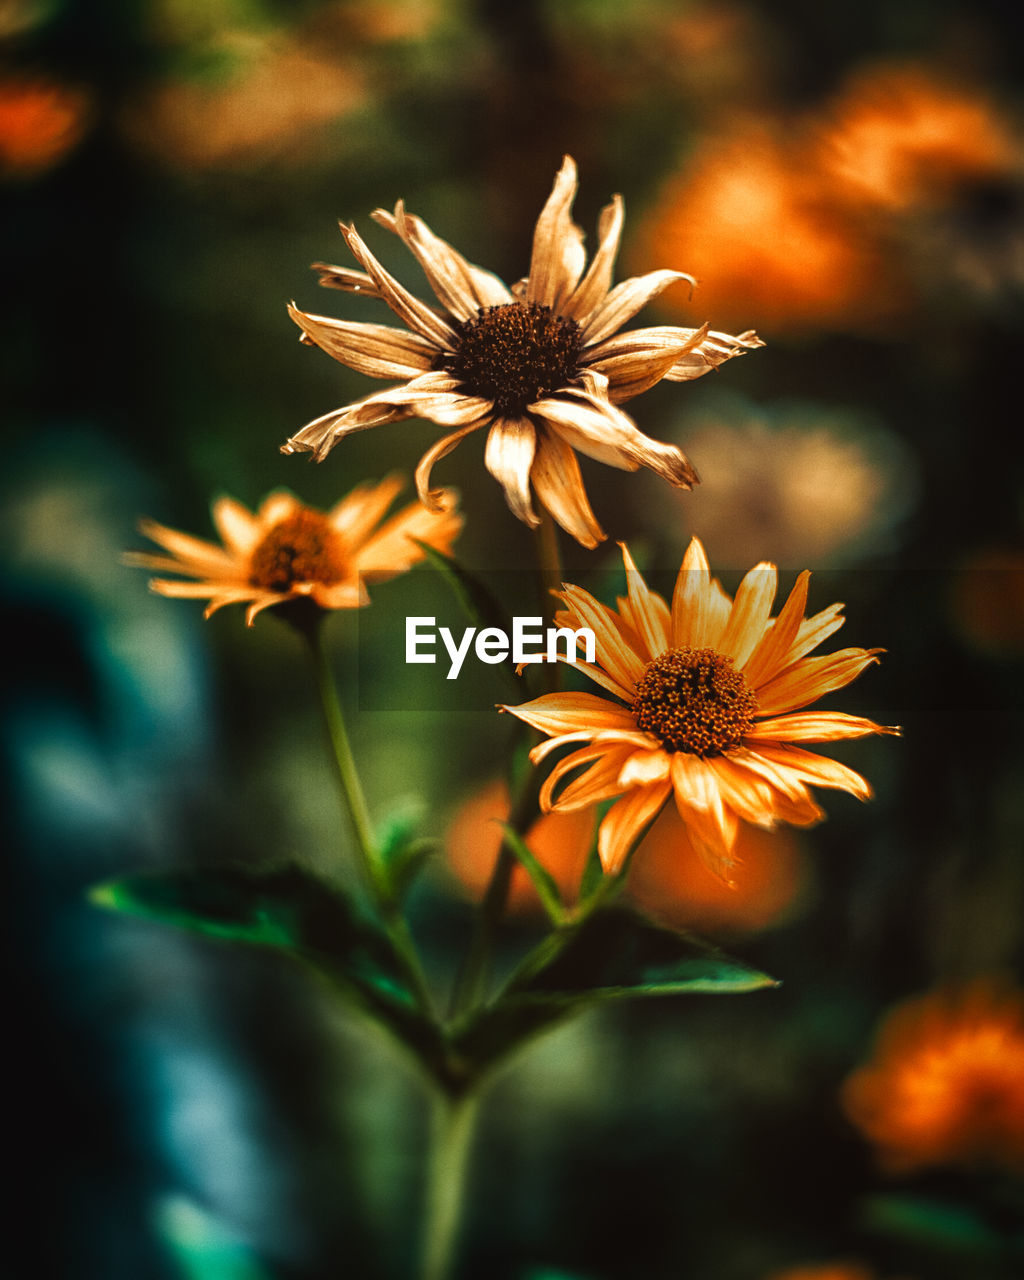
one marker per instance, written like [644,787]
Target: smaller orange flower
[559,841]
[946,1083]
[288,551]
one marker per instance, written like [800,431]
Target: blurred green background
[847,180]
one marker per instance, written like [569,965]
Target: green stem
[549,563]
[374,876]
[471,981]
[454,1120]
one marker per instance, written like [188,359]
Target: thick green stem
[449,1157]
[549,564]
[373,873]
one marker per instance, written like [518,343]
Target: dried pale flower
[945,1085]
[542,365]
[286,551]
[559,841]
[710,695]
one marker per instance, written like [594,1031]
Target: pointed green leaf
[403,853]
[543,881]
[941,1226]
[292,911]
[614,955]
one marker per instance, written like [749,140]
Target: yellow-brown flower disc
[694,700]
[301,548]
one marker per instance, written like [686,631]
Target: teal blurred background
[849,182]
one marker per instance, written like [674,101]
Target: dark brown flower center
[303,547]
[694,700]
[514,354]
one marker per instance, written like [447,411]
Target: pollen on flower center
[694,700]
[515,353]
[301,548]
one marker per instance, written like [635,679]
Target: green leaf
[292,911]
[943,1227]
[618,955]
[543,881]
[403,853]
[203,1248]
[614,955]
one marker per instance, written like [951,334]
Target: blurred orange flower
[946,1082]
[40,122]
[824,1271]
[286,551]
[987,600]
[902,136]
[670,882]
[559,841]
[763,233]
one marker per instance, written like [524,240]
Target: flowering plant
[703,698]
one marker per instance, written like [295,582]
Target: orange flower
[40,121]
[824,1271]
[946,1082]
[559,841]
[542,365]
[288,551]
[710,695]
[670,882]
[903,137]
[764,236]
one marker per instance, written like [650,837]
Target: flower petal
[460,287]
[637,360]
[435,498]
[194,556]
[714,349]
[376,350]
[750,612]
[592,424]
[819,771]
[559,713]
[359,512]
[556,262]
[410,310]
[613,650]
[712,824]
[811,678]
[645,766]
[597,783]
[346,279]
[558,484]
[594,286]
[767,659]
[649,610]
[626,821]
[815,726]
[691,600]
[625,300]
[508,456]
[393,548]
